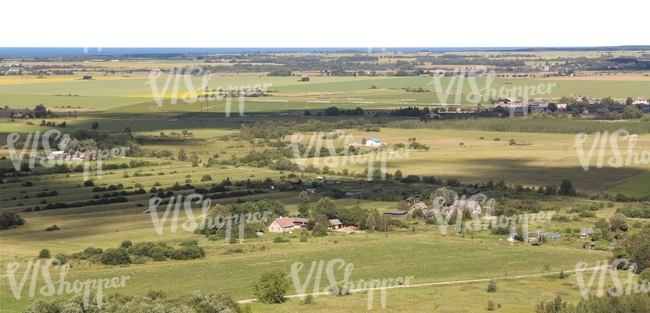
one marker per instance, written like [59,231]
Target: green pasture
[636,186]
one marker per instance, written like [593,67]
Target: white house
[55,155]
[373,142]
[281,225]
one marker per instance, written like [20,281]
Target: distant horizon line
[63,51]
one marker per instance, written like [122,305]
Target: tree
[304,204]
[326,207]
[94,125]
[629,101]
[320,229]
[64,125]
[181,155]
[631,112]
[642,258]
[271,286]
[10,219]
[40,111]
[449,195]
[645,275]
[305,79]
[43,123]
[618,221]
[304,235]
[566,189]
[602,224]
[398,175]
[371,223]
[128,130]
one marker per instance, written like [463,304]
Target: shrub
[309,299]
[51,228]
[44,254]
[206,178]
[271,286]
[319,230]
[114,256]
[126,244]
[497,139]
[89,183]
[280,240]
[93,251]
[27,184]
[492,286]
[10,219]
[645,275]
[189,243]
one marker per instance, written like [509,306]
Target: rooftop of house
[284,222]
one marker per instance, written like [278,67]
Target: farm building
[299,222]
[373,142]
[420,205]
[55,155]
[281,225]
[336,224]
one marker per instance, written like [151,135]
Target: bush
[189,243]
[44,254]
[62,257]
[492,286]
[114,256]
[497,139]
[309,299]
[89,183]
[27,184]
[93,251]
[10,219]
[271,286]
[319,230]
[645,275]
[51,228]
[280,240]
[156,294]
[126,244]
[206,178]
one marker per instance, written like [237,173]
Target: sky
[317,23]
